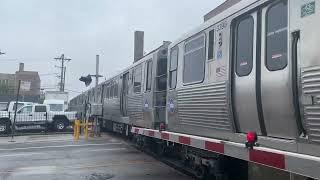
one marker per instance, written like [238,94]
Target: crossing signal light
[252,139]
[86,79]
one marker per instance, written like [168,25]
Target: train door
[124,94]
[278,77]
[263,86]
[147,94]
[244,86]
[160,92]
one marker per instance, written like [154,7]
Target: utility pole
[62,75]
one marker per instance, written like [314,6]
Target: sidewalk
[36,138]
[47,138]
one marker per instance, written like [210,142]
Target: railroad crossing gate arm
[302,164]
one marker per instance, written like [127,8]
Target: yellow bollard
[86,131]
[76,131]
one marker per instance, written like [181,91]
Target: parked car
[36,116]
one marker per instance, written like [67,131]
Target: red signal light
[252,138]
[162,126]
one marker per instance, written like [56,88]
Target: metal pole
[15,112]
[61,76]
[64,78]
[97,70]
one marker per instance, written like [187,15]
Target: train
[252,69]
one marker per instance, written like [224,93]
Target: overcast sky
[36,31]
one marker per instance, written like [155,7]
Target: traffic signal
[86,79]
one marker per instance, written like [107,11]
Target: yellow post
[76,130]
[86,131]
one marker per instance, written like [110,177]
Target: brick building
[9,85]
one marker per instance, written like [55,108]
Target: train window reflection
[173,68]
[276,37]
[244,46]
[137,79]
[194,60]
[211,45]
[148,72]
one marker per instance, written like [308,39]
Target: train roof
[222,7]
[220,13]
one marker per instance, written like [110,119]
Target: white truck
[36,116]
[57,96]
[55,105]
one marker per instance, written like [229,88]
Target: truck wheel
[4,127]
[59,125]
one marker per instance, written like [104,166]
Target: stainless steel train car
[136,96]
[253,67]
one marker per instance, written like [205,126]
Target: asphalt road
[58,157]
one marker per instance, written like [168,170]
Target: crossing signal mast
[88,79]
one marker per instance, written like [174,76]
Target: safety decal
[308,9]
[219,54]
[146,104]
[171,105]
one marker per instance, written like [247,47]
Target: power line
[63,69]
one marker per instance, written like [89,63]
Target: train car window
[194,60]
[276,37]
[211,45]
[161,79]
[115,90]
[162,66]
[137,79]
[105,95]
[173,68]
[112,91]
[244,46]
[108,92]
[148,72]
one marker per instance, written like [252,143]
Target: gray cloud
[36,31]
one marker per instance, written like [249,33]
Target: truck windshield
[56,107]
[18,107]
